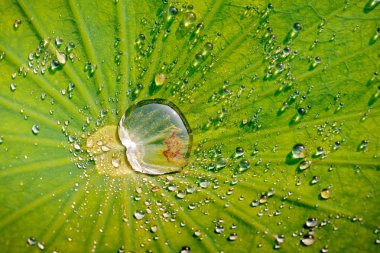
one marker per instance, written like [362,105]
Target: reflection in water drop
[156,136]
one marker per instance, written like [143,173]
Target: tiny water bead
[305,164]
[160,79]
[35,129]
[189,18]
[311,222]
[157,137]
[325,194]
[307,240]
[299,151]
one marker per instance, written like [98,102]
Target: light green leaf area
[69,68]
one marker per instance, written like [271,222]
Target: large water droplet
[157,137]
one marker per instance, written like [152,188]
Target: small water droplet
[299,151]
[197,233]
[325,249]
[219,229]
[154,228]
[233,237]
[31,241]
[160,79]
[58,41]
[307,240]
[17,24]
[54,65]
[239,152]
[315,180]
[139,215]
[305,164]
[70,47]
[35,129]
[311,222]
[363,145]
[185,249]
[317,60]
[243,166]
[115,162]
[13,86]
[280,239]
[173,11]
[2,55]
[319,151]
[325,194]
[189,19]
[40,245]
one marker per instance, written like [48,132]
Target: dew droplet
[280,239]
[319,151]
[314,180]
[232,237]
[305,164]
[173,11]
[219,229]
[2,55]
[31,241]
[13,86]
[325,194]
[154,228]
[40,245]
[115,162]
[160,79]
[363,145]
[139,215]
[157,137]
[35,129]
[297,27]
[58,41]
[54,65]
[317,60]
[243,166]
[17,24]
[185,249]
[311,222]
[70,47]
[239,152]
[307,240]
[189,19]
[299,151]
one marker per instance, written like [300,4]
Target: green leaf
[72,68]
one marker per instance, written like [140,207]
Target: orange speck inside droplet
[174,149]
